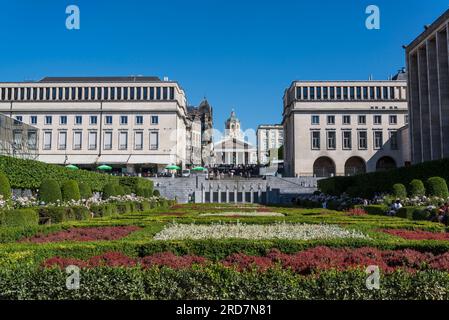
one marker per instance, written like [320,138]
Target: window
[345,93]
[18,120]
[48,120]
[108,140]
[352,93]
[32,140]
[331,140]
[108,119]
[318,93]
[325,93]
[394,140]
[365,93]
[138,140]
[172,93]
[316,140]
[330,120]
[123,140]
[78,120]
[406,119]
[17,138]
[393,119]
[63,120]
[305,93]
[33,119]
[124,120]
[312,93]
[362,120]
[378,140]
[77,140]
[346,120]
[359,93]
[154,140]
[347,140]
[363,140]
[158,93]
[377,120]
[315,120]
[165,93]
[332,93]
[151,93]
[139,119]
[371,93]
[379,93]
[154,120]
[93,140]
[338,93]
[93,120]
[62,141]
[47,140]
[392,93]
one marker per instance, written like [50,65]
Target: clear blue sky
[240,54]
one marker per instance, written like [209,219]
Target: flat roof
[127,79]
[428,31]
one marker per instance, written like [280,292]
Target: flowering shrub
[307,262]
[417,234]
[356,212]
[84,234]
[256,232]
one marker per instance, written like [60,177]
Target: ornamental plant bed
[307,262]
[84,234]
[243,214]
[417,234]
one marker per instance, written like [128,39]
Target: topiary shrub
[119,190]
[156,193]
[81,213]
[378,210]
[416,188]
[19,218]
[437,187]
[50,192]
[70,190]
[104,210]
[85,191]
[5,187]
[140,191]
[399,191]
[57,214]
[109,190]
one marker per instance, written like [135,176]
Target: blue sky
[239,54]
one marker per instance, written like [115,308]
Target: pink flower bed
[305,262]
[417,234]
[84,234]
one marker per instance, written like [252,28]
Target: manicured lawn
[204,251]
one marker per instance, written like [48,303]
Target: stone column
[243,194]
[219,194]
[227,194]
[252,194]
[235,194]
[203,194]
[259,194]
[211,194]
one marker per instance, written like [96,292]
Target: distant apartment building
[200,138]
[344,127]
[134,124]
[428,82]
[269,139]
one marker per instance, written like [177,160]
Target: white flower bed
[256,232]
[243,214]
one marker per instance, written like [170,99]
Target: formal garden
[129,243]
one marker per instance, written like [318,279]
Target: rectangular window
[107,140]
[377,119]
[17,138]
[332,93]
[152,93]
[392,93]
[145,93]
[379,93]
[48,120]
[32,140]
[172,93]
[365,93]
[346,120]
[331,120]
[158,93]
[154,120]
[124,120]
[132,93]
[338,93]
[154,140]
[119,93]
[62,141]
[359,93]
[363,140]
[47,140]
[352,93]
[78,120]
[139,120]
[345,93]
[126,93]
[385,97]
[63,120]
[325,93]
[394,140]
[305,93]
[93,120]
[123,140]
[318,93]
[312,93]
[378,140]
[316,140]
[108,119]
[315,120]
[393,120]
[331,140]
[33,119]
[347,140]
[362,120]
[77,140]
[138,140]
[406,119]
[165,93]
[18,120]
[93,140]
[371,93]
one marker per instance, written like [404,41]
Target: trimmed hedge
[109,190]
[218,283]
[5,186]
[136,185]
[104,210]
[378,210]
[156,193]
[70,190]
[19,218]
[399,191]
[416,188]
[50,191]
[437,186]
[57,214]
[369,184]
[85,190]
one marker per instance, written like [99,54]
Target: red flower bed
[417,234]
[305,262]
[356,212]
[84,234]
